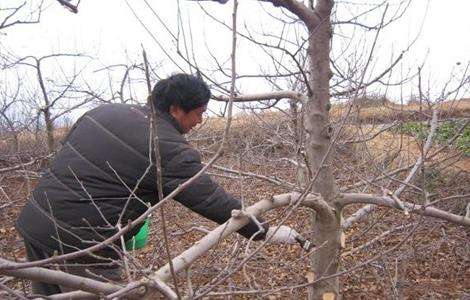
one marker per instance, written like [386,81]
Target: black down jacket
[105,157]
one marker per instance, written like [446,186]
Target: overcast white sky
[108,31]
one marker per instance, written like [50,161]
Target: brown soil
[436,257]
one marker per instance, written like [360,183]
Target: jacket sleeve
[203,196]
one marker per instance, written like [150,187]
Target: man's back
[104,174]
[102,168]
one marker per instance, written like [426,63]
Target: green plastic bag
[140,239]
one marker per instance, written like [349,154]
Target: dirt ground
[436,258]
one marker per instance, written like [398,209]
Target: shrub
[445,132]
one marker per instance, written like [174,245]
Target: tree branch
[237,221]
[61,278]
[69,6]
[361,213]
[21,166]
[262,97]
[304,13]
[429,211]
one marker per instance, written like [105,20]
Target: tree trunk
[46,110]
[49,130]
[326,231]
[16,141]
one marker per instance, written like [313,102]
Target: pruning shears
[304,243]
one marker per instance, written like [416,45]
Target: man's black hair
[183,90]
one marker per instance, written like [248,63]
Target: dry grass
[243,120]
[370,114]
[409,112]
[404,148]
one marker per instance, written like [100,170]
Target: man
[103,176]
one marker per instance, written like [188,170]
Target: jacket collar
[170,119]
[166,116]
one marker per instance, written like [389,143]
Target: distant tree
[12,13]
[54,94]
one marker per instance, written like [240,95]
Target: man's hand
[286,235]
[283,235]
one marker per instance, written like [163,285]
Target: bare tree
[320,137]
[10,123]
[313,134]
[53,96]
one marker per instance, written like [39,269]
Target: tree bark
[326,230]
[46,110]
